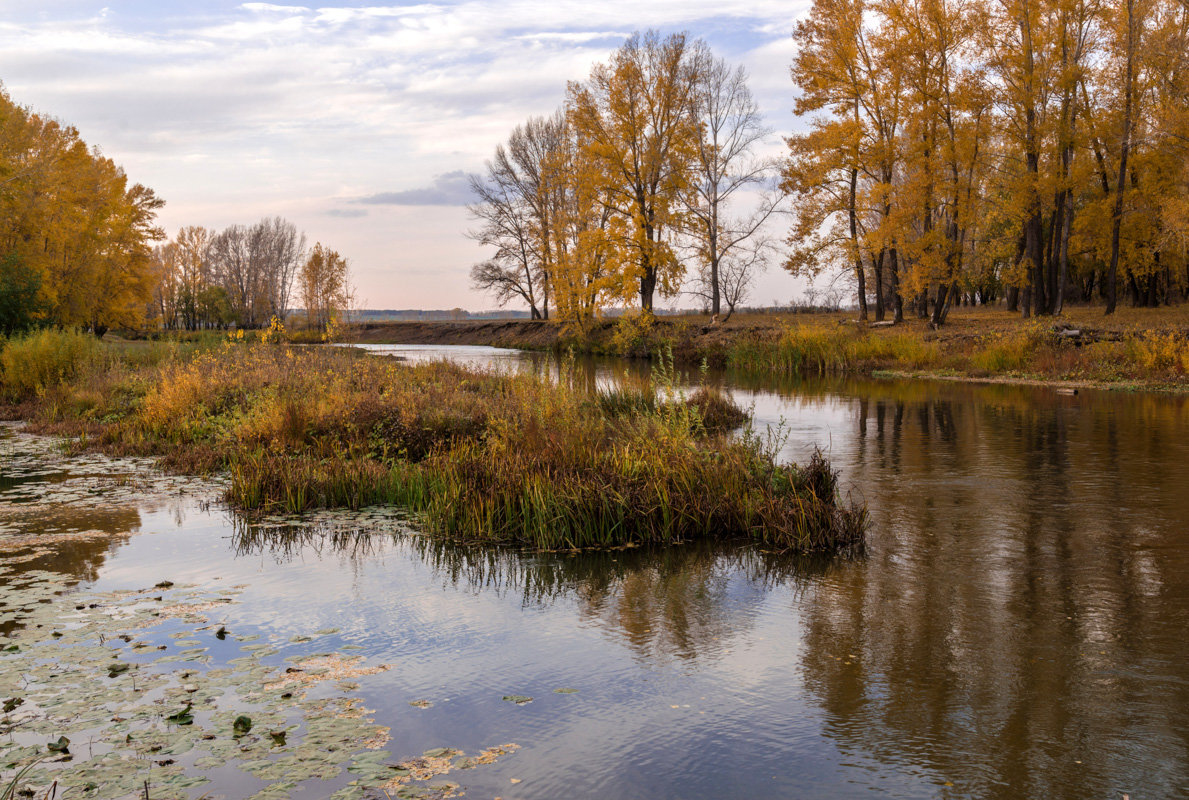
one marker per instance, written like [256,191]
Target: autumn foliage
[74,233]
[608,201]
[976,150]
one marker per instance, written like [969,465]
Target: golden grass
[483,456]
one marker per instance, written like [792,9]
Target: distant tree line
[607,200]
[245,275]
[1034,151]
[77,248]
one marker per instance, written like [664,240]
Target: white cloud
[267,108]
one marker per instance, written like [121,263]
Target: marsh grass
[36,362]
[816,349]
[483,456]
[1026,350]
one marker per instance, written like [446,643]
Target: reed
[482,456]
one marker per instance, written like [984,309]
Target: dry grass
[484,456]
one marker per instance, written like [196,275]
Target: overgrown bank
[484,457]
[1138,347]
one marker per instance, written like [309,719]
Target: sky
[359,123]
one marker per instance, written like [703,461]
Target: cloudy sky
[357,122]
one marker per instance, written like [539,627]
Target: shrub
[36,362]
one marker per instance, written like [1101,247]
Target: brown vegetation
[483,456]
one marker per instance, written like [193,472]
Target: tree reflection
[1018,627]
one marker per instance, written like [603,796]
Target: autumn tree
[518,208]
[256,266]
[824,164]
[72,226]
[636,119]
[324,283]
[976,146]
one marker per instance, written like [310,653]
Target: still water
[1016,627]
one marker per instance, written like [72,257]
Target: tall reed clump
[642,484]
[34,363]
[811,349]
[483,456]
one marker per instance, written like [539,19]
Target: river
[1015,628]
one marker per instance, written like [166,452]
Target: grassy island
[481,456]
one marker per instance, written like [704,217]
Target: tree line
[641,171]
[79,247]
[1028,152]
[246,275]
[1033,151]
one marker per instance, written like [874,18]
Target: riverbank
[483,457]
[1133,349]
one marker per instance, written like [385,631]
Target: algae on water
[107,693]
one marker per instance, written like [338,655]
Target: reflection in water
[1024,605]
[1015,627]
[671,601]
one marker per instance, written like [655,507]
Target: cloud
[327,113]
[448,189]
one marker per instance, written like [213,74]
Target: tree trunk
[854,240]
[1112,276]
[897,300]
[879,304]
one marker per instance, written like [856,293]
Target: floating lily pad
[182,717]
[518,699]
[565,691]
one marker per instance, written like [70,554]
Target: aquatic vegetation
[482,456]
[117,691]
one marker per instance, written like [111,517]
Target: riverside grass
[1153,358]
[484,457]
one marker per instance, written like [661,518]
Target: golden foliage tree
[324,282]
[966,149]
[635,119]
[72,226]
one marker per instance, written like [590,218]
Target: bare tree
[518,211]
[232,269]
[731,129]
[256,266]
[737,272]
[278,250]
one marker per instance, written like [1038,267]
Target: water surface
[1015,628]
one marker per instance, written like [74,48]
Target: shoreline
[1039,383]
[1145,350]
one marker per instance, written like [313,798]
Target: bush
[36,362]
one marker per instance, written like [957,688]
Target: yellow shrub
[31,364]
[1157,352]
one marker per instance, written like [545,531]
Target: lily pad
[182,717]
[518,699]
